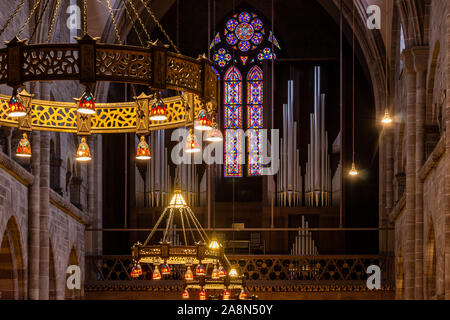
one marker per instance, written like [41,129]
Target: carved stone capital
[420,55]
[408,61]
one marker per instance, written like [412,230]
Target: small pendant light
[24,147]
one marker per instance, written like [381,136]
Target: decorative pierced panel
[52,62]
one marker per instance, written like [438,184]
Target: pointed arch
[233,122]
[12,268]
[73,260]
[255,120]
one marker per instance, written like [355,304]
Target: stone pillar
[33,219]
[447,167]
[389,168]
[420,55]
[45,207]
[382,194]
[409,253]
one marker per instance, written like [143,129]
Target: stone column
[389,168]
[409,253]
[447,166]
[33,219]
[45,206]
[420,55]
[382,194]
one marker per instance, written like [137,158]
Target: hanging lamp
[143,150]
[214,244]
[200,270]
[83,152]
[16,107]
[233,273]
[243,295]
[188,276]
[215,273]
[202,295]
[202,122]
[158,111]
[214,135]
[136,271]
[23,147]
[191,143]
[226,294]
[165,270]
[353,171]
[185,294]
[86,105]
[386,118]
[156,274]
[222,272]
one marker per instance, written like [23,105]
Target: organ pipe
[304,244]
[289,178]
[318,172]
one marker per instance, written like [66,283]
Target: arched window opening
[239,52]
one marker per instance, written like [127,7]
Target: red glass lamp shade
[143,150]
[191,143]
[200,271]
[156,274]
[86,105]
[243,295]
[24,147]
[83,152]
[165,269]
[202,295]
[185,294]
[222,272]
[226,294]
[158,112]
[16,107]
[202,122]
[189,275]
[136,271]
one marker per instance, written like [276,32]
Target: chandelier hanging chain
[11,17]
[116,29]
[84,16]
[39,19]
[127,12]
[190,228]
[36,4]
[140,20]
[184,230]
[160,26]
[154,228]
[52,24]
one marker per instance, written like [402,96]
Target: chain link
[140,21]
[36,4]
[84,16]
[160,26]
[16,11]
[114,21]
[52,24]
[134,24]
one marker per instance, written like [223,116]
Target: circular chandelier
[88,61]
[201,259]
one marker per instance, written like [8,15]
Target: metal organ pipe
[289,181]
[304,244]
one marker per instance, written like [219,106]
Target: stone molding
[16,170]
[398,209]
[69,208]
[433,159]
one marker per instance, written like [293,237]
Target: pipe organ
[304,244]
[289,180]
[189,183]
[318,170]
[158,187]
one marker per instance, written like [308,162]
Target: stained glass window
[233,122]
[239,51]
[254,119]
